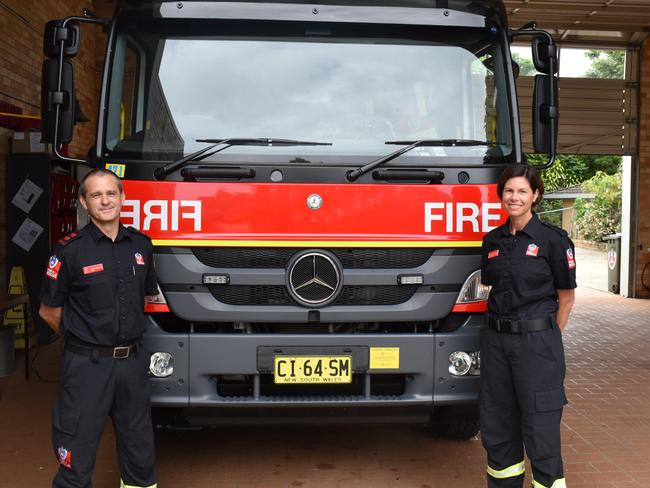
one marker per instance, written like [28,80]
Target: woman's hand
[565,300]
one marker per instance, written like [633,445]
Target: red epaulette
[68,239]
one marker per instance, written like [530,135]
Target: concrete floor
[591,269]
[605,430]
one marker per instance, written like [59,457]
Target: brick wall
[643,252]
[21,53]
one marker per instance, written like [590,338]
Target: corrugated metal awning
[592,22]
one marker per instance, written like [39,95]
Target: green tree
[526,66]
[572,169]
[561,175]
[606,64]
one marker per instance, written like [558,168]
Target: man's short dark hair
[98,172]
[528,172]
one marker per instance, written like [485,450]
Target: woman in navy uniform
[530,266]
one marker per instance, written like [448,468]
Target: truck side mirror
[52,97]
[54,34]
[543,51]
[545,115]
[61,41]
[545,92]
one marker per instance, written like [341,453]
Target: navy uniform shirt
[101,284]
[526,269]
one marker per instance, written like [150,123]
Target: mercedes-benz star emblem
[314,201]
[314,278]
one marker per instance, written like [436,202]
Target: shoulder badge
[53,266]
[570,258]
[64,241]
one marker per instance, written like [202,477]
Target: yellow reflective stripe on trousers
[122,485]
[560,483]
[509,472]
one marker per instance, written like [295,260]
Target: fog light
[459,363]
[161,364]
[475,370]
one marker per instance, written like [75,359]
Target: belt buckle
[504,325]
[121,352]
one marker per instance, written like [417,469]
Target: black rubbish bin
[613,262]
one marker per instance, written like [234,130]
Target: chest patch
[93,268]
[532,250]
[53,267]
[139,259]
[570,259]
[493,254]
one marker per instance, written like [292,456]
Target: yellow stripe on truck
[274,243]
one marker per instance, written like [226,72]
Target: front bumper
[201,359]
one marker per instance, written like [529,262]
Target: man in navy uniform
[93,294]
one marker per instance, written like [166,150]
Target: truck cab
[316,179]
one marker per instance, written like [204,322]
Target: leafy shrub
[601,215]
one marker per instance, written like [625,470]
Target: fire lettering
[168,213]
[462,217]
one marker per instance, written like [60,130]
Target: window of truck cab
[354,91]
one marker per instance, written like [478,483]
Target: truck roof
[366,3]
[491,9]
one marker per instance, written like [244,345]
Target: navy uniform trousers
[522,396]
[91,389]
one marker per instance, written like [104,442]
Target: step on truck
[316,179]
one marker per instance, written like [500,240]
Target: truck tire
[456,422]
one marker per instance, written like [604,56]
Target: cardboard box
[29,142]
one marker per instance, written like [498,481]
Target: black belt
[517,326]
[118,352]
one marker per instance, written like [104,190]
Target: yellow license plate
[312,369]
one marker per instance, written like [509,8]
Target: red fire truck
[316,180]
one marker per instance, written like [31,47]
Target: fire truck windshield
[173,83]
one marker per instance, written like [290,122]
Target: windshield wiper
[354,174]
[443,142]
[161,172]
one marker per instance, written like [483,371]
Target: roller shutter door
[594,116]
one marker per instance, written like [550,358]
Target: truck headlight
[472,290]
[161,364]
[462,363]
[156,303]
[157,299]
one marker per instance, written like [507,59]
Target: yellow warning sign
[384,358]
[20,314]
[118,169]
